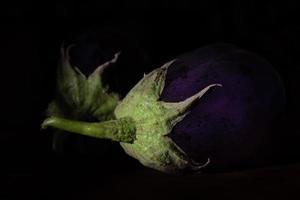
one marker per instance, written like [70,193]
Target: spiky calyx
[154,121]
[79,97]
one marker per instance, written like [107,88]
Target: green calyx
[81,97]
[154,121]
[149,121]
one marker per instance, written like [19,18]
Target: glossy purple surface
[232,125]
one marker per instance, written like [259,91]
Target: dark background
[151,33]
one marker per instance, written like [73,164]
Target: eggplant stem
[120,130]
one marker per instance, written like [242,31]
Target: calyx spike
[181,107]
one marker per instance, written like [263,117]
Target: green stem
[120,130]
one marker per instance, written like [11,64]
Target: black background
[152,32]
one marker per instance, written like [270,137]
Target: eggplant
[215,107]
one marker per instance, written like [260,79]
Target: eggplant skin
[234,126]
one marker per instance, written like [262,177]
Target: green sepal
[84,96]
[79,97]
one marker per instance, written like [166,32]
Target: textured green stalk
[121,130]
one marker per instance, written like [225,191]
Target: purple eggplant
[214,107]
[234,125]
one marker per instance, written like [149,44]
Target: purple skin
[231,125]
